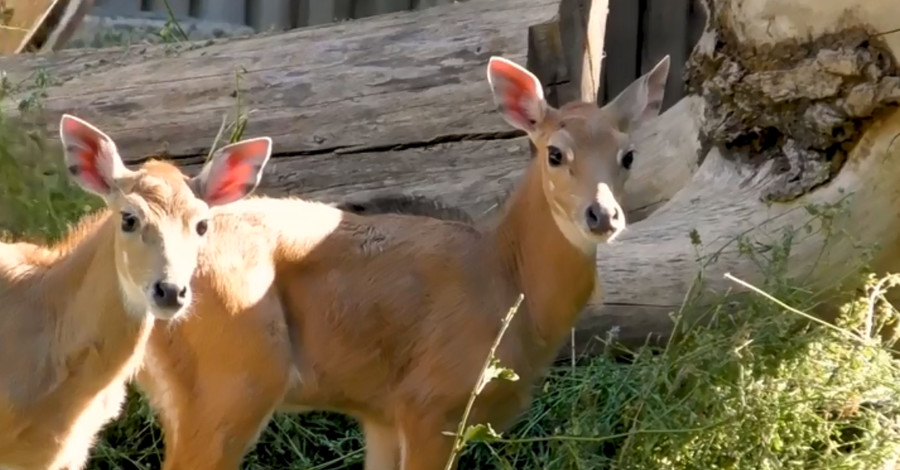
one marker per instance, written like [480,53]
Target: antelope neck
[556,277]
[90,317]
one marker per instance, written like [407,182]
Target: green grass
[758,387]
[37,199]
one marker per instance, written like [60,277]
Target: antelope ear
[641,101]
[517,93]
[91,156]
[233,172]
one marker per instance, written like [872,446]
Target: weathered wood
[621,67]
[39,25]
[316,12]
[57,26]
[470,174]
[666,25]
[22,16]
[227,11]
[120,7]
[269,15]
[402,79]
[582,25]
[376,7]
[180,8]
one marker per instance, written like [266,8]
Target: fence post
[226,11]
[566,53]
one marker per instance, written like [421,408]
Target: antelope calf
[76,315]
[389,317]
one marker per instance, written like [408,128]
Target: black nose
[168,295]
[601,220]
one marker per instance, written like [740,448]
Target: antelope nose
[602,220]
[169,295]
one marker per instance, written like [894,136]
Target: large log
[351,107]
[391,103]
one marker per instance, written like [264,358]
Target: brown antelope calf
[76,316]
[388,317]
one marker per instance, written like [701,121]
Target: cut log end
[798,105]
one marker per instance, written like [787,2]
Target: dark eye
[628,159]
[554,156]
[129,222]
[202,227]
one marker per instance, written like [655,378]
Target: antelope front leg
[423,444]
[382,446]
[214,432]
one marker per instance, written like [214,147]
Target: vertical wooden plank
[265,15]
[666,32]
[696,25]
[180,8]
[366,8]
[226,11]
[582,26]
[422,4]
[315,12]
[622,63]
[546,59]
[118,7]
[25,14]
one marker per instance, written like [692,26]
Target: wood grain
[25,13]
[384,81]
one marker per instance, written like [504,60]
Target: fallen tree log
[400,104]
[387,104]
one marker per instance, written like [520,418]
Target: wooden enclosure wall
[638,33]
[641,32]
[270,14]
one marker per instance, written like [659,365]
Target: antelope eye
[554,156]
[202,227]
[628,159]
[129,222]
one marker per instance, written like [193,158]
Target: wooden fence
[638,33]
[641,32]
[269,14]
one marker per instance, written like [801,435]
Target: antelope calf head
[584,151]
[162,214]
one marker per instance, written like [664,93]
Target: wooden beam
[566,52]
[39,25]
[622,63]
[17,18]
[666,30]
[583,28]
[401,80]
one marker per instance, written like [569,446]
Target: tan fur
[389,317]
[68,342]
[385,317]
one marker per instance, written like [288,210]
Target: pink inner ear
[87,159]
[238,171]
[517,88]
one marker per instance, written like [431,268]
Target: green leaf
[480,433]
[496,371]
